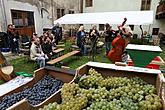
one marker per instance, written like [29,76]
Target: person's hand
[119,27]
[93,31]
[42,55]
[46,57]
[123,29]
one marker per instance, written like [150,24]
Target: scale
[142,55]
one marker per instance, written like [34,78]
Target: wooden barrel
[7,72]
[2,59]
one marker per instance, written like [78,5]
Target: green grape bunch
[93,92]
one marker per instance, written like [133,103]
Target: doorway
[24,22]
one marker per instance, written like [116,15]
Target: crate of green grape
[101,86]
[142,55]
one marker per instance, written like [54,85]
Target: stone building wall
[45,11]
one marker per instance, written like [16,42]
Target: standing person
[81,40]
[126,33]
[37,54]
[117,53]
[108,37]
[57,32]
[10,32]
[94,34]
[4,41]
[16,40]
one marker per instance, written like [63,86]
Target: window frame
[22,18]
[71,12]
[101,27]
[60,12]
[88,3]
[146,4]
[155,31]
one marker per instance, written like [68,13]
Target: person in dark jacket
[81,40]
[108,37]
[47,47]
[4,41]
[11,36]
[16,40]
[57,32]
[93,35]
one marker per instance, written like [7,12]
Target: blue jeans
[107,46]
[41,61]
[94,49]
[83,49]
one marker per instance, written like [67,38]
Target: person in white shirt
[37,54]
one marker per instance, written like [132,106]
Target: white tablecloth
[13,84]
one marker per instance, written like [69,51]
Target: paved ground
[9,56]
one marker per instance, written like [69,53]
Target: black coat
[108,36]
[57,32]
[47,48]
[93,37]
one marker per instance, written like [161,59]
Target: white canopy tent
[133,18]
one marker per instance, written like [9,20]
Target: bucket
[5,49]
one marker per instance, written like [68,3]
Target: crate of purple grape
[41,90]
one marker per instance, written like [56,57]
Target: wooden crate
[66,76]
[151,76]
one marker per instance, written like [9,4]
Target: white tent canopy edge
[133,18]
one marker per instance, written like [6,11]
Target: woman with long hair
[81,40]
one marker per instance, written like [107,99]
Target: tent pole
[149,28]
